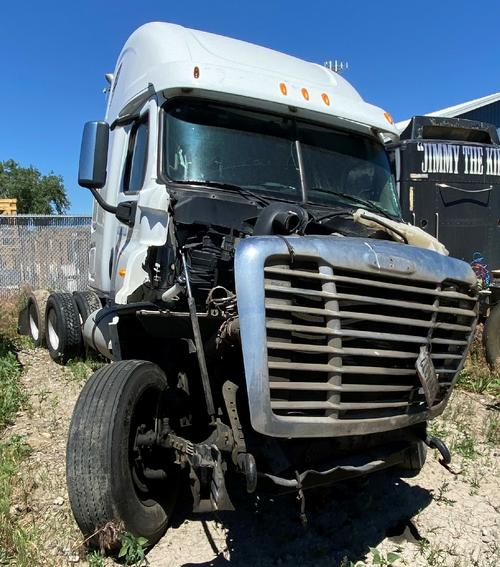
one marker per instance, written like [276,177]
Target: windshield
[278,156]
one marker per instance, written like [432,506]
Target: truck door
[146,197]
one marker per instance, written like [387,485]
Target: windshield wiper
[354,200]
[249,195]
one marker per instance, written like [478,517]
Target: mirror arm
[125,119]
[124,212]
[102,203]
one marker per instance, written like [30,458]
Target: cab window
[137,156]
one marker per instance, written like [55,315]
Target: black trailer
[448,175]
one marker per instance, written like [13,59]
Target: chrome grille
[342,344]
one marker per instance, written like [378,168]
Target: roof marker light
[326,99]
[389,118]
[305,94]
[283,89]
[196,72]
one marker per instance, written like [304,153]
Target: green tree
[35,193]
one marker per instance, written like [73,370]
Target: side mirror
[94,155]
[93,166]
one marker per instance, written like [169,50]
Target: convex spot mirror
[94,155]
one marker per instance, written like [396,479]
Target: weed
[492,430]
[18,541]
[133,549]
[435,556]
[427,551]
[81,370]
[440,496]
[95,559]
[378,558]
[436,428]
[23,342]
[9,309]
[479,381]
[348,563]
[466,446]
[476,376]
[11,395]
[42,395]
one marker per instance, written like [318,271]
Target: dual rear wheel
[56,319]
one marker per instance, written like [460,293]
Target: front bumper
[339,470]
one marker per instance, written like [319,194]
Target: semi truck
[267,313]
[447,174]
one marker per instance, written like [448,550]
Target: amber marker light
[389,118]
[305,94]
[122,272]
[196,72]
[326,99]
[283,89]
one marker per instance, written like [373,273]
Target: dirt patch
[437,518]
[40,489]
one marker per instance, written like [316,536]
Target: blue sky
[408,57]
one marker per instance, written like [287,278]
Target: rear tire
[35,306]
[491,337]
[63,333]
[104,482]
[86,302]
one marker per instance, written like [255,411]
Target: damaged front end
[334,332]
[298,360]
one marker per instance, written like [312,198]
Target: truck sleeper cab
[264,307]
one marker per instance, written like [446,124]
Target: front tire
[104,483]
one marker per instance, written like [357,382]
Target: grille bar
[326,386]
[369,282]
[374,370]
[367,317]
[361,334]
[371,300]
[379,353]
[306,405]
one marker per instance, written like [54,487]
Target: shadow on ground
[343,523]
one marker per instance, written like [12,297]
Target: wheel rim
[33,320]
[52,330]
[145,412]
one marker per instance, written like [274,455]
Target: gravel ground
[436,518]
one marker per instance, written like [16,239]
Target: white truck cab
[161,63]
[265,309]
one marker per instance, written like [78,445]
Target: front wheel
[105,473]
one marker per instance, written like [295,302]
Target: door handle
[446,186]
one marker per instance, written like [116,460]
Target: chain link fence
[43,252]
